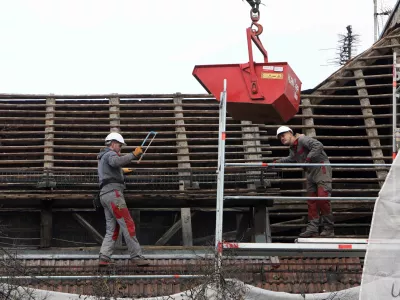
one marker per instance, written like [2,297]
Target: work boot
[139,261]
[327,222]
[327,232]
[311,230]
[105,261]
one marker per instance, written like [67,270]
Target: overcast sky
[132,46]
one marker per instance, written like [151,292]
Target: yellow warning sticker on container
[271,75]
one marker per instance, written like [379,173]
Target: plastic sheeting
[251,293]
[255,293]
[381,272]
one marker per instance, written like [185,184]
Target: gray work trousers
[118,218]
[319,184]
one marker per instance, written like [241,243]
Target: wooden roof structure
[49,145]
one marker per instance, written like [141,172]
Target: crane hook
[259,29]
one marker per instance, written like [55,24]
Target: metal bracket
[191,185]
[47,181]
[46,184]
[263,183]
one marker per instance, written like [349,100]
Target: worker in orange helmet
[112,185]
[304,149]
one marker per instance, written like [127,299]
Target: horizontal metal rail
[146,176]
[296,247]
[86,277]
[298,198]
[262,164]
[198,254]
[331,241]
[301,250]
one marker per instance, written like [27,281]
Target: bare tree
[14,277]
[347,46]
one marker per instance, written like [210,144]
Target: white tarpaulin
[381,272]
[251,293]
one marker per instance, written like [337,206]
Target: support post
[49,134]
[46,215]
[262,228]
[114,114]
[375,20]
[46,224]
[220,181]
[183,154]
[396,133]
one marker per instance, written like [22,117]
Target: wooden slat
[370,121]
[164,119]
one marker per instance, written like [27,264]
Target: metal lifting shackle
[255,15]
[253,35]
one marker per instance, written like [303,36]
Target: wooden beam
[262,228]
[215,118]
[46,215]
[246,232]
[85,224]
[308,118]
[374,76]
[370,123]
[49,133]
[171,232]
[46,224]
[114,114]
[308,131]
[183,150]
[344,73]
[207,126]
[349,88]
[102,96]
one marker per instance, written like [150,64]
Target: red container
[272,96]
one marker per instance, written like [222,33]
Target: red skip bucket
[267,93]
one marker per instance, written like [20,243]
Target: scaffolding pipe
[394,117]
[331,241]
[261,164]
[298,198]
[220,183]
[86,277]
[297,247]
[195,256]
[375,20]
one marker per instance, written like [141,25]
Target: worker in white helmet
[304,149]
[112,185]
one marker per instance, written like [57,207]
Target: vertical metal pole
[220,186]
[394,118]
[375,21]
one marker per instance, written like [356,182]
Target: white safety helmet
[115,136]
[283,129]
